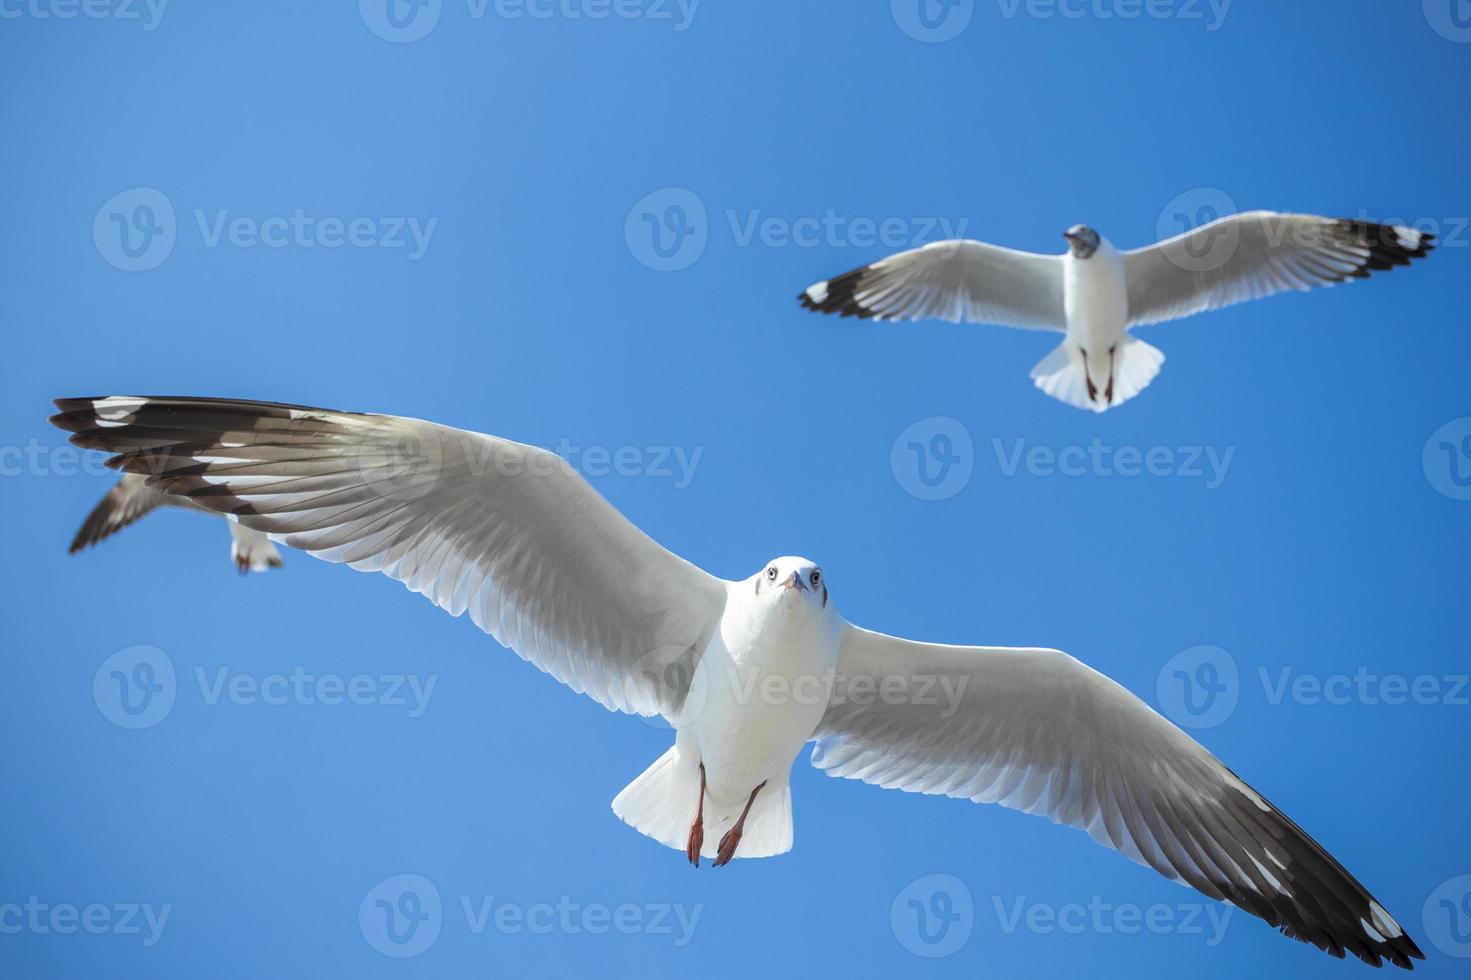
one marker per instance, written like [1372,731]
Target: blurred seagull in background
[132,498]
[746,671]
[1094,293]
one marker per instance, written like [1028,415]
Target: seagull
[1094,293]
[132,498]
[746,671]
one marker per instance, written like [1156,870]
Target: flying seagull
[132,498]
[746,671]
[1094,293]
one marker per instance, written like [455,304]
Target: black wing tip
[1387,244]
[838,296]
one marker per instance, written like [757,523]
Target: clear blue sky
[1332,544]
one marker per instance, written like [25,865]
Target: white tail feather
[1063,375]
[661,803]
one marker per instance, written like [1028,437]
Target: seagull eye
[771,573]
[816,578]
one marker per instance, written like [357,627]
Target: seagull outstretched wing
[1037,731]
[507,532]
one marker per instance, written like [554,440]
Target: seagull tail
[661,803]
[251,550]
[1064,375]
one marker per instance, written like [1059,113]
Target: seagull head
[792,581]
[1082,241]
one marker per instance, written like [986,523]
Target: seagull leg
[1108,392]
[732,837]
[1088,377]
[697,829]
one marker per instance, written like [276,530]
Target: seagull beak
[1070,237]
[794,581]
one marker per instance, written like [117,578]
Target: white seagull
[131,498]
[746,671]
[1094,293]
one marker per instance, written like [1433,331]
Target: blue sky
[445,218]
